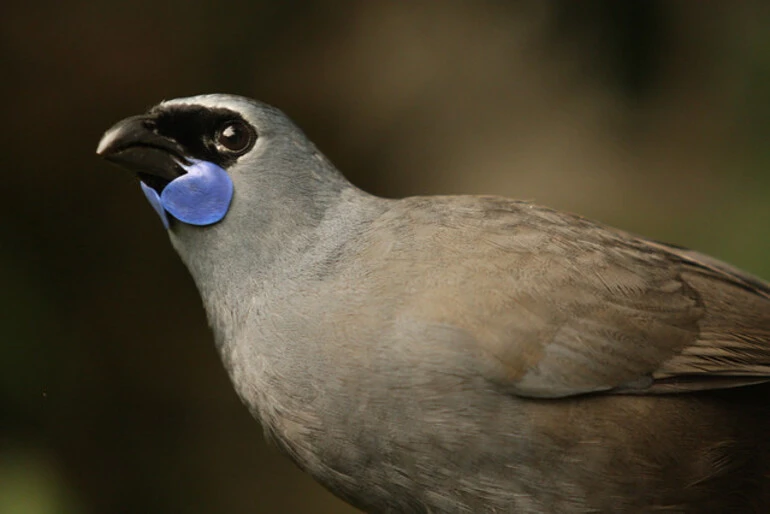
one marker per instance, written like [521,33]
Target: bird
[457,354]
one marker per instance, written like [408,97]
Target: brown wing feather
[715,319]
[734,334]
[558,305]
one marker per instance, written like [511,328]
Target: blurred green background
[649,115]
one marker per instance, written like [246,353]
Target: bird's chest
[380,428]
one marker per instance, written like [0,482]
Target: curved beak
[134,144]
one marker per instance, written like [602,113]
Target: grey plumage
[469,354]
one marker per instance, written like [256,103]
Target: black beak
[134,144]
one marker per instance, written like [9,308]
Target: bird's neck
[234,269]
[250,290]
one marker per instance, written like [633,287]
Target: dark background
[652,116]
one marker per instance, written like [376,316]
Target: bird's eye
[235,137]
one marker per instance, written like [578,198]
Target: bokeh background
[649,115]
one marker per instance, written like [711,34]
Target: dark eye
[235,137]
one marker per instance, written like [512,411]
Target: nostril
[150,125]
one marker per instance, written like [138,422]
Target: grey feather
[477,354]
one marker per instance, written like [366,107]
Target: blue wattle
[200,197]
[154,199]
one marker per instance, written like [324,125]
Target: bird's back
[431,411]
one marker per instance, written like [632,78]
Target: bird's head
[219,167]
[198,157]
[238,186]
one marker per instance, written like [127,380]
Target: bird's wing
[558,305]
[733,343]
